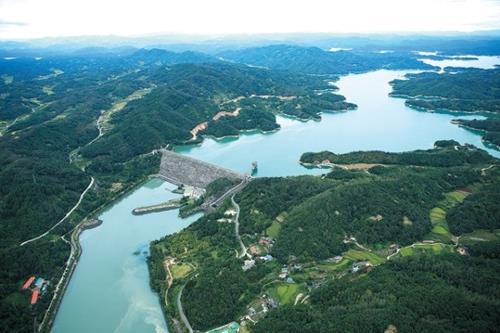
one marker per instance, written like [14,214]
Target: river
[109,291]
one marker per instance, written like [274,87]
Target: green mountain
[373,244]
[314,60]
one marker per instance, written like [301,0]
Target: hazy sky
[40,18]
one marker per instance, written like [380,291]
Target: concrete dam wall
[179,169]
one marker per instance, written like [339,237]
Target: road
[237,228]
[65,216]
[181,311]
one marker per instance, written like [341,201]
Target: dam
[180,169]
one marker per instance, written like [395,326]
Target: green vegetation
[313,60]
[479,211]
[469,90]
[441,156]
[324,232]
[356,255]
[426,293]
[284,292]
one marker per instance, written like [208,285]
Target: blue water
[380,123]
[110,292]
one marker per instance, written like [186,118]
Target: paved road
[65,216]
[237,228]
[181,311]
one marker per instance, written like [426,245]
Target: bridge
[179,170]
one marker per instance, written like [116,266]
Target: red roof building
[28,283]
[34,296]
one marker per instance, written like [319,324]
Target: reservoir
[109,291]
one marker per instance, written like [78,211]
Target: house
[230,212]
[360,266]
[265,241]
[266,258]
[254,250]
[248,264]
[28,283]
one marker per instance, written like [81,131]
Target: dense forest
[318,61]
[68,117]
[190,94]
[50,149]
[437,157]
[304,222]
[443,293]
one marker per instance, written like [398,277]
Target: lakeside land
[357,249]
[55,141]
[72,119]
[473,91]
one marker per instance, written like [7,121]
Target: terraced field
[440,230]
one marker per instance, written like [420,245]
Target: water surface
[109,291]
[380,123]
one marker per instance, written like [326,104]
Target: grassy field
[429,248]
[356,255]
[274,229]
[285,292]
[331,267]
[480,236]
[180,270]
[440,230]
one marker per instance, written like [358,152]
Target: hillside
[372,242]
[463,90]
[314,60]
[51,110]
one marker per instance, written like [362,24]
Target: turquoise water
[484,62]
[379,123]
[109,291]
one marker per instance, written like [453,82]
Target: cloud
[9,23]
[139,17]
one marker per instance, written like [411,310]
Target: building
[248,264]
[34,296]
[267,257]
[28,283]
[360,266]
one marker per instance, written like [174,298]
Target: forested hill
[49,146]
[364,248]
[446,153]
[314,60]
[189,94]
[465,90]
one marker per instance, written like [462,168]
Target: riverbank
[76,251]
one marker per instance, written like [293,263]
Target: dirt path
[226,114]
[170,278]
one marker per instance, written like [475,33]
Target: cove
[379,123]
[109,291]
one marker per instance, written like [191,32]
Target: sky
[23,19]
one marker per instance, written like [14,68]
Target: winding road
[237,229]
[65,216]
[181,311]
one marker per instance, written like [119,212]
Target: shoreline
[76,251]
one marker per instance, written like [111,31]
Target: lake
[109,291]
